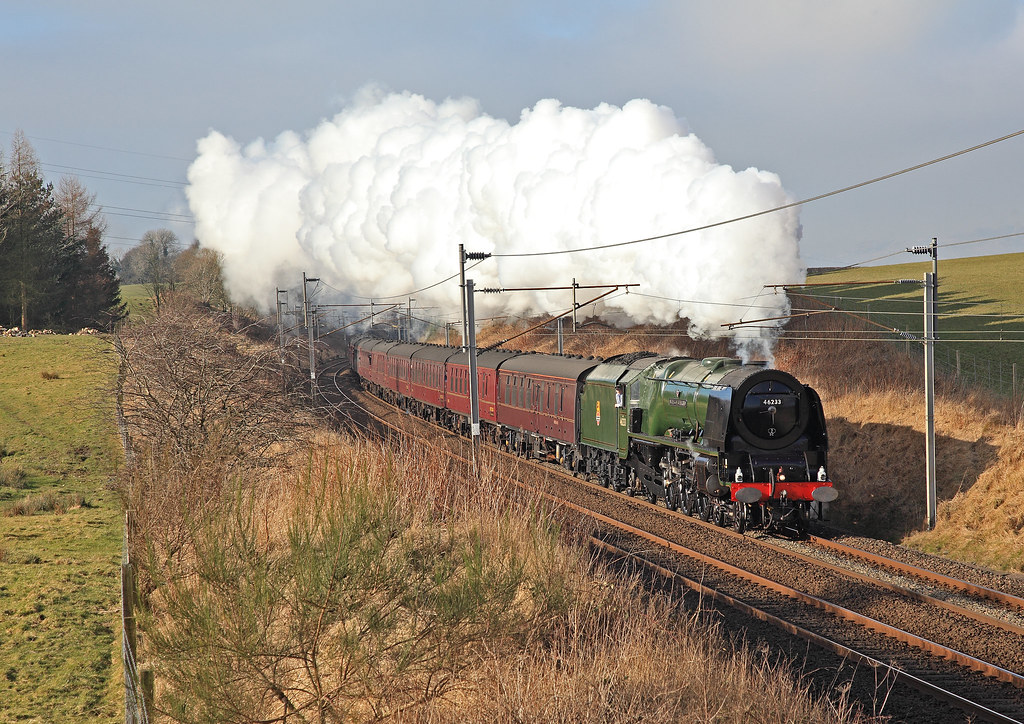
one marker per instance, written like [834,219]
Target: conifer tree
[33,253]
[54,270]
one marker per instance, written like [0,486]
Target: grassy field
[60,532]
[139,299]
[981,313]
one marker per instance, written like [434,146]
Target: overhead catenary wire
[940,246]
[772,210]
[407,294]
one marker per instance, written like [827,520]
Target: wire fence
[996,375]
[138,683]
[1002,376]
[135,679]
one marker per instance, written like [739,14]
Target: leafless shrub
[200,392]
[200,404]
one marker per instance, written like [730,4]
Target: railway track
[951,640]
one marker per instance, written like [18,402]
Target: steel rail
[895,588]
[922,573]
[835,647]
[931,647]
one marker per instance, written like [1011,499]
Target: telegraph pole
[462,290]
[561,345]
[408,321]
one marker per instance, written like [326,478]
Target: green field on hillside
[139,298]
[980,306]
[60,531]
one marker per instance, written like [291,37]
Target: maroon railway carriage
[457,388]
[416,375]
[537,403]
[369,358]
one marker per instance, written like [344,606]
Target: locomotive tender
[730,442]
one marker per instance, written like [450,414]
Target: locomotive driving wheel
[689,500]
[673,496]
[739,517]
[704,508]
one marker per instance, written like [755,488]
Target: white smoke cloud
[376,200]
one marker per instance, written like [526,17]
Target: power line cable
[184,217]
[127,178]
[978,241]
[146,216]
[100,148]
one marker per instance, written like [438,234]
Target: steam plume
[376,200]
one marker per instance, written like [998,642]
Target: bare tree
[79,207]
[160,248]
[200,272]
[200,405]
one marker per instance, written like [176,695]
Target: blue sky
[823,94]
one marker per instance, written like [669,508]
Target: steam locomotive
[733,443]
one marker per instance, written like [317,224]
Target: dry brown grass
[572,641]
[873,394]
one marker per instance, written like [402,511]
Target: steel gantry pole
[931,294]
[308,314]
[474,392]
[462,291]
[280,320]
[929,390]
[463,257]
